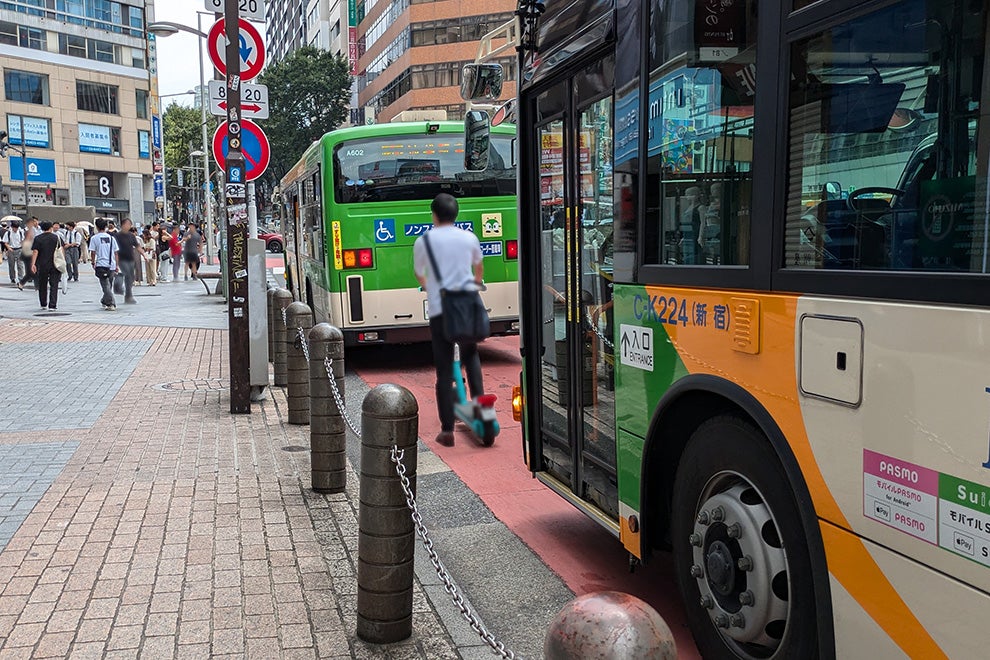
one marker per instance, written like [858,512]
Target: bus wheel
[741,557]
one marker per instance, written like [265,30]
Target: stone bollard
[327,433]
[608,625]
[283,298]
[270,297]
[298,315]
[386,536]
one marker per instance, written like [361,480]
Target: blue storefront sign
[95,139]
[35,129]
[156,131]
[144,144]
[40,170]
[159,186]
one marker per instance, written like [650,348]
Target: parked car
[273,241]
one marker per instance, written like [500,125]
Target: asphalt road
[585,556]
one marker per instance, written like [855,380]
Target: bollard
[327,434]
[270,297]
[283,298]
[297,369]
[608,625]
[386,537]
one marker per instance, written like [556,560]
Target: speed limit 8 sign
[252,10]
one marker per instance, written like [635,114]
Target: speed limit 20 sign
[252,10]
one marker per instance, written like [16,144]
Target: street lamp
[167,29]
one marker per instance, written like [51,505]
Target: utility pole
[24,162]
[236,225]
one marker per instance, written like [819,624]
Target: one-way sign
[254,100]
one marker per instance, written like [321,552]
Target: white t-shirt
[457,251]
[13,238]
[105,247]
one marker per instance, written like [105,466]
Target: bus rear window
[418,167]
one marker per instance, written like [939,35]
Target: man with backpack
[103,252]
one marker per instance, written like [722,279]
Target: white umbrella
[10,218]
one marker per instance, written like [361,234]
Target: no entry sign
[254,144]
[251,47]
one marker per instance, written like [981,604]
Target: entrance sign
[250,47]
[253,10]
[254,100]
[253,143]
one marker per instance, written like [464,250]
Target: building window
[72,45]
[8,34]
[102,51]
[26,87]
[96,97]
[144,144]
[137,58]
[32,38]
[136,20]
[141,97]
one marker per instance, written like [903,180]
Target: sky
[178,55]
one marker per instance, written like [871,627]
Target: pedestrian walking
[73,241]
[139,262]
[103,253]
[164,253]
[12,240]
[192,246]
[47,276]
[30,232]
[149,249]
[463,267]
[175,252]
[127,256]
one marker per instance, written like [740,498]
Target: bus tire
[741,557]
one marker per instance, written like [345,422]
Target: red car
[273,241]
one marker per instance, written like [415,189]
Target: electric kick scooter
[478,415]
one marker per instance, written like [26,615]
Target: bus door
[575,449]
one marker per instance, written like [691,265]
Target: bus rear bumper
[415,334]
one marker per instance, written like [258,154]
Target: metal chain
[303,343]
[339,399]
[285,319]
[594,328]
[448,582]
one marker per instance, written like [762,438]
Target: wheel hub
[740,566]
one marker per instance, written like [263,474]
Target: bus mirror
[481,82]
[476,141]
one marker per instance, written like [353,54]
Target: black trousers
[47,281]
[443,359]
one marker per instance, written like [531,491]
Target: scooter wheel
[488,437]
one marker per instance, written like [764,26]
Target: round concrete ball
[608,625]
[324,332]
[297,309]
[284,297]
[394,401]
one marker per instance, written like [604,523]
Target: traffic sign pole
[237,234]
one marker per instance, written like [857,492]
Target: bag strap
[433,260]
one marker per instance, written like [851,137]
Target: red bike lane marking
[585,556]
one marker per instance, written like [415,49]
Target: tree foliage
[308,92]
[181,125]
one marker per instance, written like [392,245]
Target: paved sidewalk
[141,520]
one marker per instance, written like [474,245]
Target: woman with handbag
[46,257]
[456,312]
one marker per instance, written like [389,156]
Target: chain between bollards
[448,583]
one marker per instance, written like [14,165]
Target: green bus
[359,198]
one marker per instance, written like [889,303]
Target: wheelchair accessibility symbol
[385,230]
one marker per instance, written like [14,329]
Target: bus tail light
[517,403]
[512,249]
[363,258]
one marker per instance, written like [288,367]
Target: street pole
[24,162]
[252,203]
[236,225]
[206,152]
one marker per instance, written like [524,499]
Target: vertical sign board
[157,153]
[352,42]
[237,229]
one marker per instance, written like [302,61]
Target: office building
[411,53]
[77,92]
[286,27]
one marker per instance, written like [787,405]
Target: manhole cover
[52,314]
[294,448]
[28,324]
[193,385]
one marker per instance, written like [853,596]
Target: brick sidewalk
[141,520]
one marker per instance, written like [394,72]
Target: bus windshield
[402,168]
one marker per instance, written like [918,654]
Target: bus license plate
[491,248]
